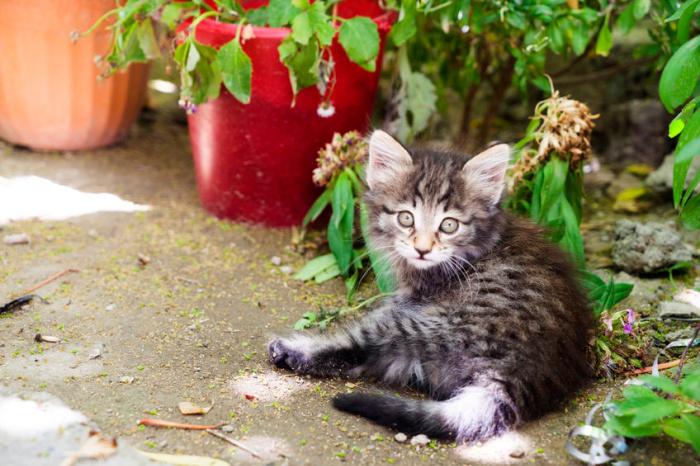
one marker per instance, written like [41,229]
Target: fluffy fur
[488,319]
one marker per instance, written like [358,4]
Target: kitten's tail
[475,413]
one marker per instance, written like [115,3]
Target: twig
[647,370]
[176,425]
[235,443]
[605,72]
[53,277]
[685,354]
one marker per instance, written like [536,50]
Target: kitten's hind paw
[282,355]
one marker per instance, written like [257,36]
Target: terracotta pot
[50,97]
[254,162]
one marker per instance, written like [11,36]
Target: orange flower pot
[50,97]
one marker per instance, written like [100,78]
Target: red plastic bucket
[253,162]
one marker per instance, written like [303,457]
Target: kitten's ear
[387,157]
[487,171]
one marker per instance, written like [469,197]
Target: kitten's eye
[405,218]
[449,225]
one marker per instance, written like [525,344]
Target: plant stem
[685,354]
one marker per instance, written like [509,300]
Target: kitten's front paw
[282,355]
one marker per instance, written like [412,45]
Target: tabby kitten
[488,319]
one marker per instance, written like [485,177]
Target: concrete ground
[192,324]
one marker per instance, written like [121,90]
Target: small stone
[420,440]
[127,379]
[400,437]
[648,247]
[92,233]
[109,308]
[276,260]
[144,260]
[19,238]
[286,269]
[228,428]
[670,309]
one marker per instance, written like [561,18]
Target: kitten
[488,319]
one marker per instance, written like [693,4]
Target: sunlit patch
[268,386]
[508,448]
[33,197]
[28,418]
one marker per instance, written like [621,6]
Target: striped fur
[488,321]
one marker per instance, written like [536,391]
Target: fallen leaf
[127,379]
[629,200]
[184,460]
[249,396]
[144,260]
[188,408]
[639,169]
[96,447]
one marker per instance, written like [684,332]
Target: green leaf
[640,8]
[676,127]
[657,410]
[281,12]
[405,28]
[147,40]
[604,42]
[626,20]
[171,15]
[692,427]
[320,23]
[688,152]
[660,382]
[341,224]
[579,38]
[690,386]
[680,169]
[258,16]
[380,266]
[690,215]
[638,391]
[315,266]
[688,5]
[301,28]
[317,207]
[192,58]
[676,428]
[623,426]
[680,75]
[302,62]
[685,21]
[327,274]
[556,38]
[236,70]
[360,39]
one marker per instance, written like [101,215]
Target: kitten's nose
[422,252]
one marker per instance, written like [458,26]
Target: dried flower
[343,151]
[608,324]
[565,128]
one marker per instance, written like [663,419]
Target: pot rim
[383,21]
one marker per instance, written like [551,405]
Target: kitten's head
[430,208]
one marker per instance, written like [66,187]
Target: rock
[228,428]
[669,309]
[420,440]
[109,308]
[400,437]
[286,269]
[127,379]
[276,260]
[647,247]
[19,238]
[661,180]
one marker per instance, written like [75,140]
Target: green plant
[678,89]
[340,167]
[478,50]
[203,69]
[659,406]
[546,181]
[604,296]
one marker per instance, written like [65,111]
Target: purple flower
[187,105]
[631,317]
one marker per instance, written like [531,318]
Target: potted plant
[265,85]
[49,95]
